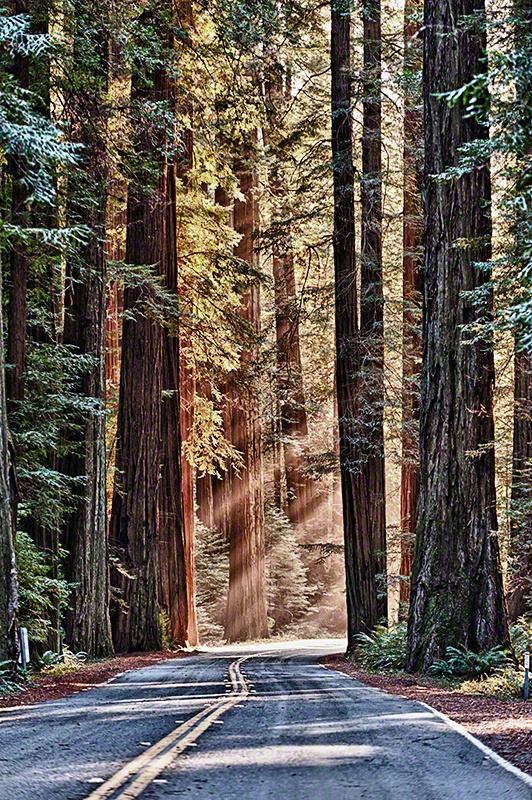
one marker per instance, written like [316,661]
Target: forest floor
[55,685]
[504,725]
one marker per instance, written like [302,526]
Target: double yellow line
[134,777]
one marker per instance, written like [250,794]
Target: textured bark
[176,495]
[246,615]
[17,312]
[8,569]
[521,523]
[134,516]
[520,581]
[412,296]
[371,486]
[84,534]
[361,588]
[301,497]
[457,592]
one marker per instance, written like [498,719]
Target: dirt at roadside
[50,687]
[504,725]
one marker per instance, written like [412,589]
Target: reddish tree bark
[246,616]
[412,297]
[456,545]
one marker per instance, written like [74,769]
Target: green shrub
[39,594]
[8,678]
[505,684]
[59,663]
[521,635]
[383,649]
[459,662]
[287,586]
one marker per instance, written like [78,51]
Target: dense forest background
[266,314]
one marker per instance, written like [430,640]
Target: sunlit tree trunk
[176,492]
[300,489]
[412,294]
[457,591]
[246,615]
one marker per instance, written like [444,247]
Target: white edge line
[502,762]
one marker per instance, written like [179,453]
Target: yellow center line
[154,760]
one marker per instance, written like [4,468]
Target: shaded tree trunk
[457,591]
[84,535]
[371,370]
[521,521]
[134,515]
[361,588]
[520,579]
[246,615]
[8,568]
[17,312]
[412,296]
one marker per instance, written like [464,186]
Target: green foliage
[383,649]
[59,663]
[506,683]
[288,589]
[39,593]
[166,632]
[212,579]
[459,662]
[521,635]
[8,678]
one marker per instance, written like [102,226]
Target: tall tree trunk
[246,616]
[17,311]
[84,535]
[412,295]
[457,590]
[361,587]
[521,523]
[176,495]
[134,515]
[520,579]
[300,488]
[8,568]
[371,370]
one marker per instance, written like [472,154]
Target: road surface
[261,722]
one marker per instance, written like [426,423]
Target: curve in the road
[130,781]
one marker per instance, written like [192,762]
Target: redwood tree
[84,535]
[360,563]
[457,591]
[370,486]
[412,290]
[8,570]
[291,430]
[176,491]
[246,616]
[134,515]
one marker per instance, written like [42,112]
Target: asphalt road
[248,723]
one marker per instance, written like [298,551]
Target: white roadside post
[24,656]
[527,670]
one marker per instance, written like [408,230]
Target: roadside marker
[527,670]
